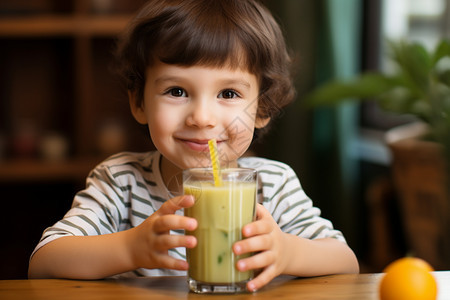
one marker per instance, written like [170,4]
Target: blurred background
[62,111]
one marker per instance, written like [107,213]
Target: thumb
[176,203]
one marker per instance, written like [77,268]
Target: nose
[202,114]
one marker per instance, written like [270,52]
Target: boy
[195,70]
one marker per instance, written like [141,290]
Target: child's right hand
[151,240]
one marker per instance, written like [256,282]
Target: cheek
[160,125]
[242,125]
[243,134]
[240,134]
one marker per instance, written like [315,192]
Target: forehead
[235,58]
[161,72]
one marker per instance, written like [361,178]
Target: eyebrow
[167,78]
[238,82]
[241,82]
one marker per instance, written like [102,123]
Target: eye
[228,94]
[176,92]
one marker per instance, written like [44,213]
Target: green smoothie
[221,213]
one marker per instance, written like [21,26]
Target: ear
[261,122]
[136,109]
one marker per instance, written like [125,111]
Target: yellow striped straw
[215,162]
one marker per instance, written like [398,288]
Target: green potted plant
[419,86]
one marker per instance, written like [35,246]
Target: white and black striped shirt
[125,189]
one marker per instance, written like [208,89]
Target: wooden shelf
[35,170]
[63,56]
[56,76]
[60,25]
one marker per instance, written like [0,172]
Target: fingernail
[246,231]
[241,266]
[192,242]
[192,224]
[251,287]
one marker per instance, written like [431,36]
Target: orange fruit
[408,278]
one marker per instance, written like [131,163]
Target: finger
[168,262]
[253,244]
[257,228]
[173,222]
[263,224]
[261,212]
[257,261]
[169,241]
[176,203]
[262,279]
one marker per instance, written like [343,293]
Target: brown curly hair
[210,33]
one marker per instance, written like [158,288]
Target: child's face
[184,107]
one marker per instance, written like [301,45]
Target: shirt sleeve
[98,209]
[283,196]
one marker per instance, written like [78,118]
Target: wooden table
[361,286]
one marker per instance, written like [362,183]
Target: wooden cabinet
[58,92]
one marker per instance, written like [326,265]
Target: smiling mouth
[197,145]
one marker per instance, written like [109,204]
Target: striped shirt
[125,189]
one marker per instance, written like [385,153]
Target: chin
[196,163]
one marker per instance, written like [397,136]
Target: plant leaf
[415,64]
[365,86]
[442,50]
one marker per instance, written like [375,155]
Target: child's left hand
[269,243]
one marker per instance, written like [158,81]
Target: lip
[200,145]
